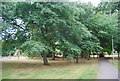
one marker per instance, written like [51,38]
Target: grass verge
[116,63]
[59,69]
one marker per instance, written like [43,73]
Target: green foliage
[109,51]
[70,48]
[101,55]
[103,23]
[8,46]
[77,26]
[70,57]
[106,27]
[108,7]
[33,48]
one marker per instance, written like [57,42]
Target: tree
[77,27]
[35,49]
[70,50]
[106,27]
[108,7]
[103,23]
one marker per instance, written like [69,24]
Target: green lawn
[111,55]
[116,63]
[59,69]
[0,70]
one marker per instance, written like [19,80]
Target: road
[107,70]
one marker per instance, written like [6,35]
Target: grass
[59,69]
[0,71]
[116,63]
[111,55]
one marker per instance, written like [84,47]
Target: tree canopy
[36,27]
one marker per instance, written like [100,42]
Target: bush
[33,48]
[101,55]
[70,57]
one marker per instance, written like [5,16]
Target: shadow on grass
[60,80]
[30,63]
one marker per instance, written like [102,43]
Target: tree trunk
[93,55]
[84,54]
[76,59]
[97,55]
[88,55]
[118,54]
[45,59]
[81,55]
[53,56]
[63,56]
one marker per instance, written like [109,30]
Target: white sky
[94,2]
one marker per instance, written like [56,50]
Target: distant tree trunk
[93,55]
[88,55]
[85,55]
[118,54]
[53,56]
[31,57]
[63,56]
[97,55]
[76,59]
[81,55]
[45,59]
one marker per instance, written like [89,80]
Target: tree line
[71,29]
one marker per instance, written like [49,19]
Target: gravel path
[107,70]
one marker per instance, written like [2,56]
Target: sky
[94,2]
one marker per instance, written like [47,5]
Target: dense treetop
[77,27]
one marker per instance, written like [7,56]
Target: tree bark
[45,59]
[53,56]
[76,59]
[97,54]
[88,55]
[93,55]
[82,55]
[118,54]
[85,55]
[63,56]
